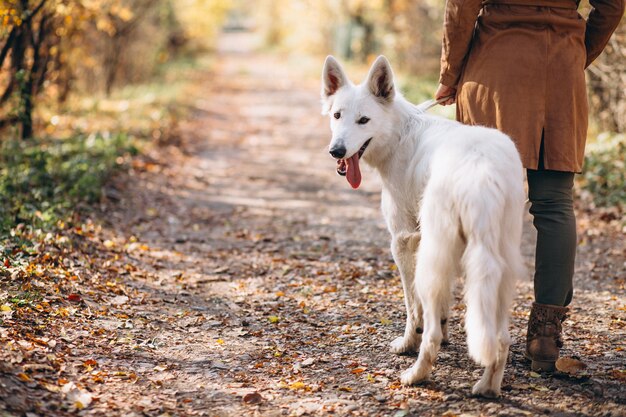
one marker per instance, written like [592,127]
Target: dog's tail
[487,289]
[484,271]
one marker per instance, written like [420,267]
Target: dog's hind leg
[513,269]
[404,248]
[434,273]
[489,384]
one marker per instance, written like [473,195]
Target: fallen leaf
[253,398]
[273,319]
[299,386]
[619,374]
[23,377]
[79,398]
[119,300]
[220,341]
[571,366]
[90,363]
[75,298]
[308,362]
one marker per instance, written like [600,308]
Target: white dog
[454,191]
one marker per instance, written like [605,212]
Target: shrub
[604,175]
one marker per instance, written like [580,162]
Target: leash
[429,104]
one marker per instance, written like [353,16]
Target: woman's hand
[445,91]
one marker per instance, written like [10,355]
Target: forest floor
[232,272]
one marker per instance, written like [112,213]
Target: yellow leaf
[23,377]
[220,341]
[273,319]
[299,386]
[385,321]
[5,307]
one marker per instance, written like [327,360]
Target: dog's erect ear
[333,77]
[380,80]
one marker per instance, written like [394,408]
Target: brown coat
[518,65]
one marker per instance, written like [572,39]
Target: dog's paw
[401,345]
[413,376]
[484,390]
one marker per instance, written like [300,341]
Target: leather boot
[543,339]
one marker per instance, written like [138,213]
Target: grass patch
[44,181]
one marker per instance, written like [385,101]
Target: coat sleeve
[458,28]
[604,17]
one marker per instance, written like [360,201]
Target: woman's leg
[552,207]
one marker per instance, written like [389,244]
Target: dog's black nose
[338,152]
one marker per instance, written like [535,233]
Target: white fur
[453,201]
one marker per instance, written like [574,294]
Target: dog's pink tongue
[353,173]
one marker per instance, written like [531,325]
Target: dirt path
[258,283]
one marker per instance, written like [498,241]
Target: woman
[518,65]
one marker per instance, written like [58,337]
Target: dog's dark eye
[337,115]
[363,120]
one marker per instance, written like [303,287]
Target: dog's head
[359,114]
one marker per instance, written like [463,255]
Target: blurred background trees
[52,48]
[409,33]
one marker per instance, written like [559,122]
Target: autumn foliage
[51,48]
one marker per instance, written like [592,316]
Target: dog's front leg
[404,247]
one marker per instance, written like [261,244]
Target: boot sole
[542,366]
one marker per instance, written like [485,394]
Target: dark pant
[552,208]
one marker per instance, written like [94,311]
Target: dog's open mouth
[349,167]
